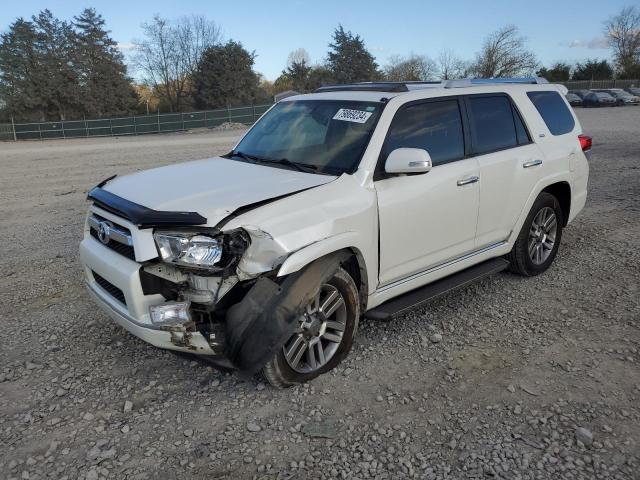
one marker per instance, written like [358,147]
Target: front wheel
[323,337]
[538,241]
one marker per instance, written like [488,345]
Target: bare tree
[194,35]
[623,33]
[412,68]
[298,56]
[504,54]
[451,66]
[169,54]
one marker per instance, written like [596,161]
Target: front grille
[111,289]
[121,248]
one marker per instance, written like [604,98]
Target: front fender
[316,250]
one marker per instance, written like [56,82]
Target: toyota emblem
[104,230]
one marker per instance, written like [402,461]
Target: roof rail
[365,86]
[469,82]
[377,86]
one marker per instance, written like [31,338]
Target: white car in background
[363,199]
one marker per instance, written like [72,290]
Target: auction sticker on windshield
[357,116]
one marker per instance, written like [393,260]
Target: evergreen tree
[349,60]
[104,85]
[55,75]
[593,70]
[18,63]
[298,73]
[225,77]
[558,72]
[319,76]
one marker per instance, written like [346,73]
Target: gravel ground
[510,378]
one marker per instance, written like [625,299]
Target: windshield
[323,136]
[603,95]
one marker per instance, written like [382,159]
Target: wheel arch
[562,191]
[355,263]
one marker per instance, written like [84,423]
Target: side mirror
[408,160]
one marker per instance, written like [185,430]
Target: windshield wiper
[245,156]
[301,167]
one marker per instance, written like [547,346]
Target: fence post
[40,130]
[64,135]
[228,114]
[135,125]
[110,127]
[253,109]
[158,119]
[13,127]
[86,125]
[182,115]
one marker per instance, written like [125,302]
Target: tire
[537,244]
[281,372]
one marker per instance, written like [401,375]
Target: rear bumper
[134,315]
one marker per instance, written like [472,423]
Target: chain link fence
[135,125]
[589,84]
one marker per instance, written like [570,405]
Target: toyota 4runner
[356,200]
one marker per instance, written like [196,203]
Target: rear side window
[553,110]
[433,126]
[521,130]
[493,123]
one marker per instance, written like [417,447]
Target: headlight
[192,250]
[200,250]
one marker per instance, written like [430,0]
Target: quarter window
[433,126]
[493,123]
[521,130]
[553,110]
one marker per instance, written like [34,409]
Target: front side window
[554,111]
[432,126]
[324,136]
[493,126]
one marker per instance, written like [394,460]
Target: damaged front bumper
[191,342]
[114,282]
[240,320]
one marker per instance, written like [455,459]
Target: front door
[427,219]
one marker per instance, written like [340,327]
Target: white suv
[364,199]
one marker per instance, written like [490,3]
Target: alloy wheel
[320,332]
[542,235]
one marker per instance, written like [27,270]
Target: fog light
[170,314]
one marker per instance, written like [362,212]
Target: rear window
[493,123]
[553,110]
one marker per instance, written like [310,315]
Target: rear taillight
[585,142]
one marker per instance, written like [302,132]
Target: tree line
[53,69]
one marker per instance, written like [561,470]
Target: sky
[557,30]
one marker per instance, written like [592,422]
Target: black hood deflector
[140,215]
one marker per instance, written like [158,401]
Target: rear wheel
[323,337]
[537,244]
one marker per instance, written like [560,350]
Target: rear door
[510,164]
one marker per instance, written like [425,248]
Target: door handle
[532,163]
[467,181]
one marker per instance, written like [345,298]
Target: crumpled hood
[214,187]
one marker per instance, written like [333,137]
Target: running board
[418,297]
